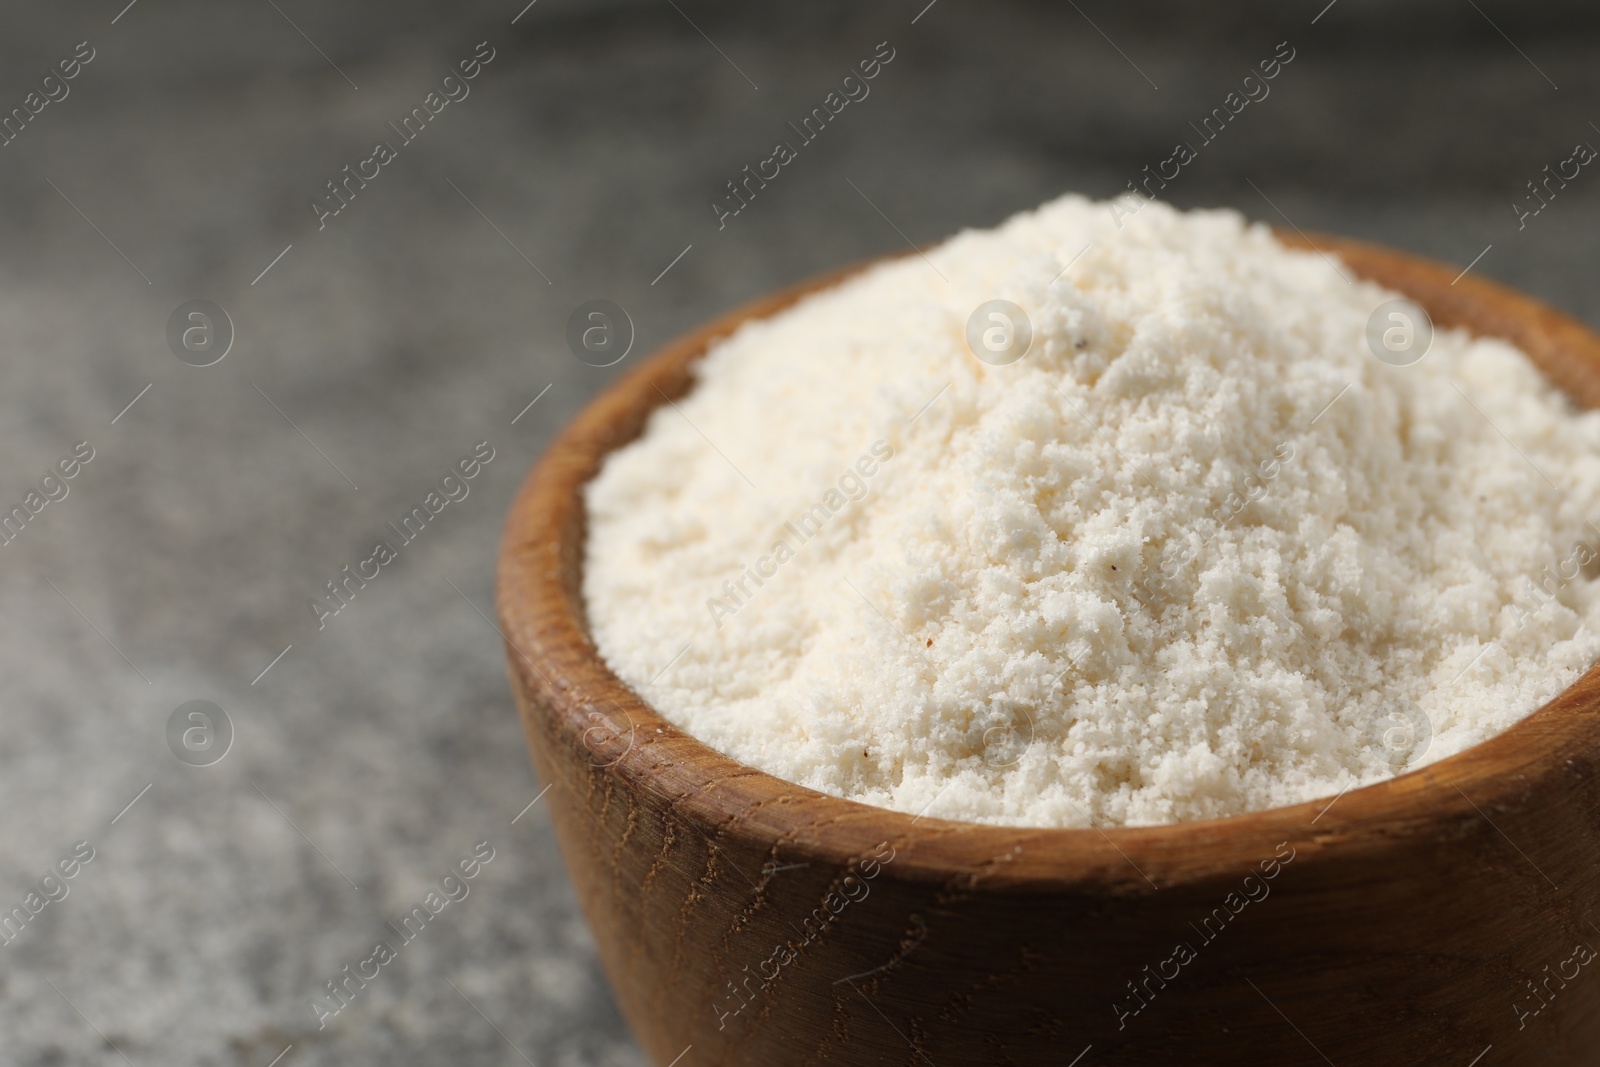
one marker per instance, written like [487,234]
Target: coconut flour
[1197,552]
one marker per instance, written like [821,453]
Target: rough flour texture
[1197,553]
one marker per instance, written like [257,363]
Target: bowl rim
[569,695]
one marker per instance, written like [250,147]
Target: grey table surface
[424,317]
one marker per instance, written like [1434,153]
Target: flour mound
[1197,553]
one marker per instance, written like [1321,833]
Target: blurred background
[368,756]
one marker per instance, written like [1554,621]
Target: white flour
[1144,574]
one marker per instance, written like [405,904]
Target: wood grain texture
[1405,929]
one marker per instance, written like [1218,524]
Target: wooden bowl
[746,920]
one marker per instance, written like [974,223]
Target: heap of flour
[1198,552]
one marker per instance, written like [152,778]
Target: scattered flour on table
[1142,575]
